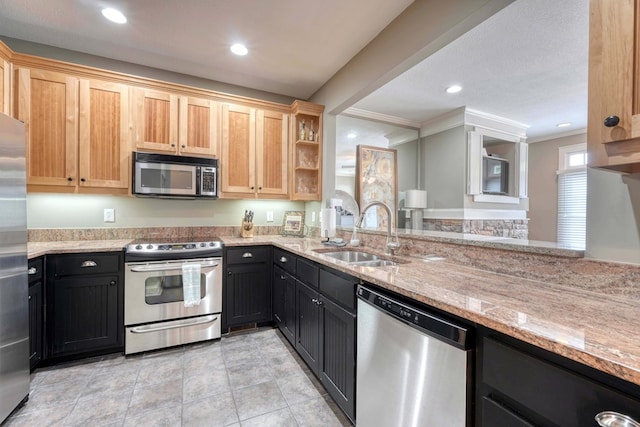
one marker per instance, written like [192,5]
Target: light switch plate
[269,216]
[109,215]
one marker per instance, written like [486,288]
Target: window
[572,195]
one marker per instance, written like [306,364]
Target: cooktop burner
[172,248]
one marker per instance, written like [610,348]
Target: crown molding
[379,117]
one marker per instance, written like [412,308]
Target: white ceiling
[527,63]
[295,45]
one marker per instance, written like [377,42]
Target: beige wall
[443,168]
[613,215]
[543,186]
[86,211]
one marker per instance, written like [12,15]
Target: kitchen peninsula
[580,319]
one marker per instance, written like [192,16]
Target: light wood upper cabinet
[5,80]
[199,124]
[271,153]
[77,132]
[5,87]
[614,85]
[254,158]
[155,120]
[166,122]
[306,151]
[104,134]
[47,103]
[238,157]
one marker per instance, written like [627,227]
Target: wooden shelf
[306,155]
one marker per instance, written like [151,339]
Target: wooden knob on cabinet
[82,180]
[69,179]
[611,121]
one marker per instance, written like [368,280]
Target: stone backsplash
[513,228]
[597,276]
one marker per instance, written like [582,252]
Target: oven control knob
[149,246]
[212,244]
[138,247]
[202,245]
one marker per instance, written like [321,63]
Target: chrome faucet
[392,242]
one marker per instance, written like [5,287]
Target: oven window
[167,288]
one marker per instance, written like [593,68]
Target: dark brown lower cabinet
[247,286]
[520,385]
[337,363]
[284,303]
[36,312]
[308,328]
[314,307]
[84,304]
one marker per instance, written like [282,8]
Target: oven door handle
[148,268]
[172,325]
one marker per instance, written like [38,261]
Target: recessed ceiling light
[453,89]
[114,15]
[563,125]
[239,49]
[352,135]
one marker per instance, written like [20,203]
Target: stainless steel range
[166,303]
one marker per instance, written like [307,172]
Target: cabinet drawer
[340,288]
[495,415]
[307,272]
[285,260]
[538,388]
[248,254]
[89,263]
[35,270]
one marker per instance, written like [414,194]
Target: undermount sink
[364,259]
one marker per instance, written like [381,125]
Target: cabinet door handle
[29,297]
[229,273]
[247,255]
[89,263]
[282,277]
[611,121]
[611,418]
[32,271]
[69,179]
[283,259]
[82,180]
[112,283]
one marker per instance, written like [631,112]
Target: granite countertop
[589,327]
[36,249]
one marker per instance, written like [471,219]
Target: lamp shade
[415,199]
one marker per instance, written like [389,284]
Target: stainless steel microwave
[162,175]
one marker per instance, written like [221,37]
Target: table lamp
[416,200]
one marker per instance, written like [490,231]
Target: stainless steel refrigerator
[14,292]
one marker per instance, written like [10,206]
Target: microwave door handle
[148,268]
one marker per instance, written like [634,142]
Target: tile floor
[252,379]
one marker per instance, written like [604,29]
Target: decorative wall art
[293,223]
[377,180]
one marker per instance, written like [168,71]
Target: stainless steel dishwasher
[413,367]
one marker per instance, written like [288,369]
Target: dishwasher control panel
[430,323]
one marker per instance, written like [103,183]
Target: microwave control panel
[208,185]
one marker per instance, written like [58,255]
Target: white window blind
[572,208]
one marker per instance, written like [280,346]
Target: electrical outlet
[313,217]
[269,216]
[110,215]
